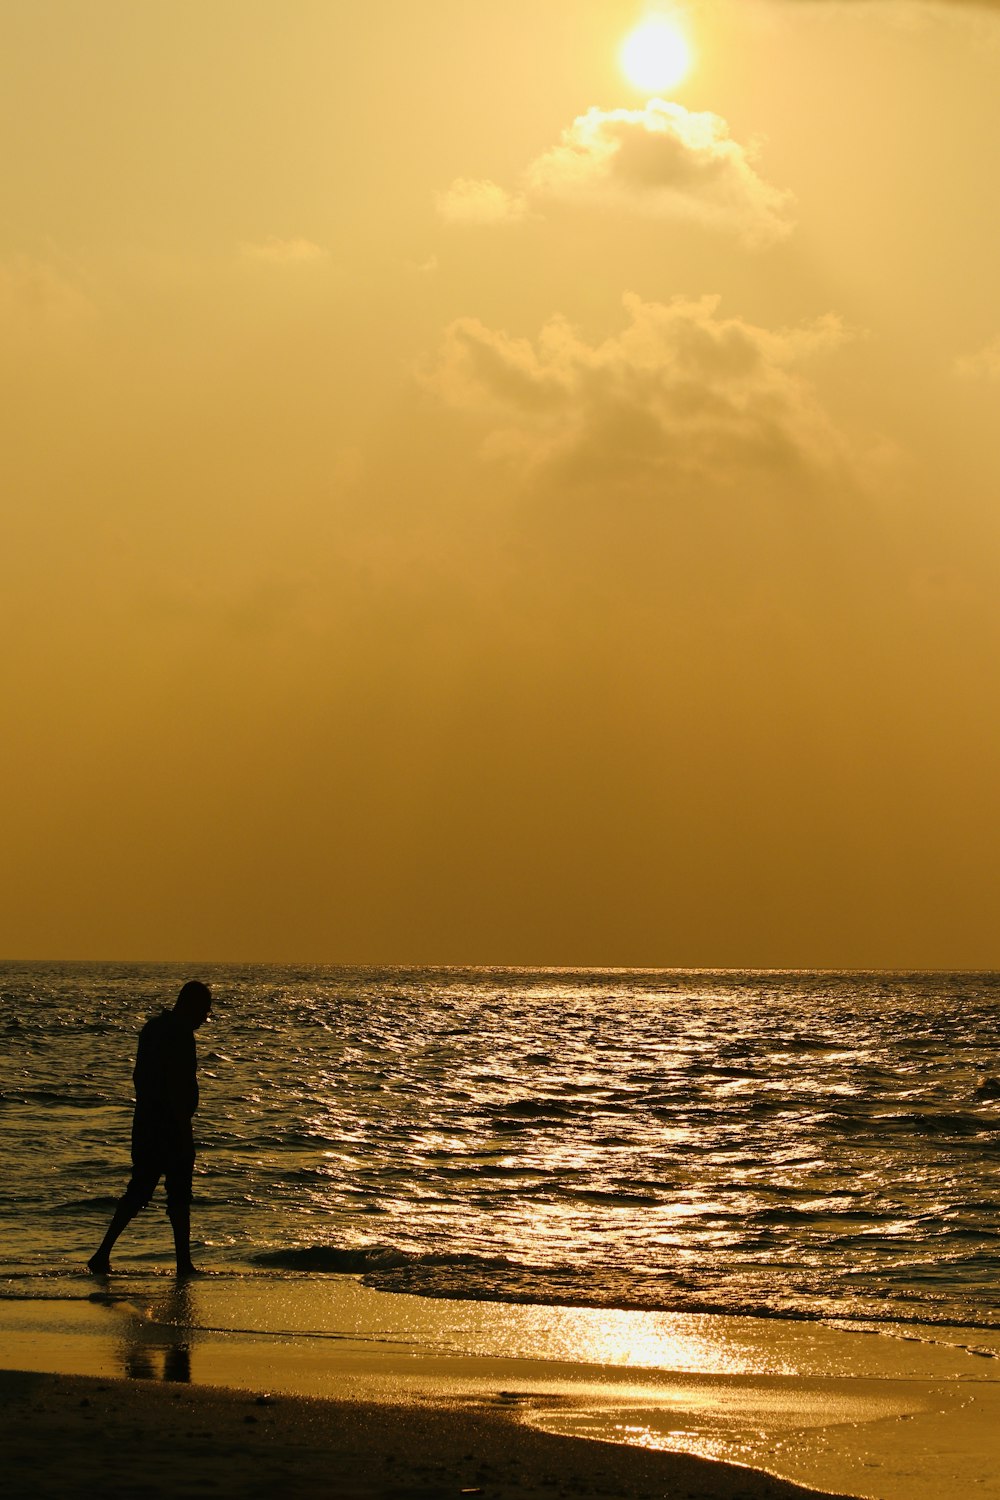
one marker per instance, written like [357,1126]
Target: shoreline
[893,1414]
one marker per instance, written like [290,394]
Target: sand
[138,1386]
[73,1435]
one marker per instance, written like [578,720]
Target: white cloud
[284,252]
[681,391]
[479,201]
[663,161]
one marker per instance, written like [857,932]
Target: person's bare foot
[187,1269]
[99,1265]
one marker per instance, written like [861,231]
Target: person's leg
[100,1261]
[180,1169]
[179,1215]
[146,1170]
[135,1198]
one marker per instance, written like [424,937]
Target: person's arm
[166,1069]
[181,1077]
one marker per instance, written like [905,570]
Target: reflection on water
[605,1336]
[156,1336]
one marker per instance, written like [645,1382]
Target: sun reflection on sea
[602,1336]
[629,1338]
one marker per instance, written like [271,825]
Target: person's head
[194,1003]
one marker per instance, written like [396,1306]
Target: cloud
[681,391]
[662,162]
[284,252]
[479,201]
[984,364]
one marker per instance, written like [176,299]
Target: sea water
[819,1145]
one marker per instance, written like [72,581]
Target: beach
[255,1385]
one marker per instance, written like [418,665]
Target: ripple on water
[819,1143]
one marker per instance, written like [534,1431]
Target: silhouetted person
[166,1097]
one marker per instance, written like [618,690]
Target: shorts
[161,1147]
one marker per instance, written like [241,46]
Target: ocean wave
[58,1099]
[536,1109]
[552,1287]
[363,1260]
[612,1198]
[103,1205]
[479,1278]
[963,1123]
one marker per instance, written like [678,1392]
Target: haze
[458,510]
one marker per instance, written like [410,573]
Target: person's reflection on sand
[156,1339]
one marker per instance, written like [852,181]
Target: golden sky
[461,507]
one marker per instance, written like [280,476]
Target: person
[166,1097]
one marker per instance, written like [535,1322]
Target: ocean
[810,1144]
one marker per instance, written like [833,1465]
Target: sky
[461,506]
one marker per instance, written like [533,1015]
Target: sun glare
[655,56]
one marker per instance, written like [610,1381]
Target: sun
[655,56]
